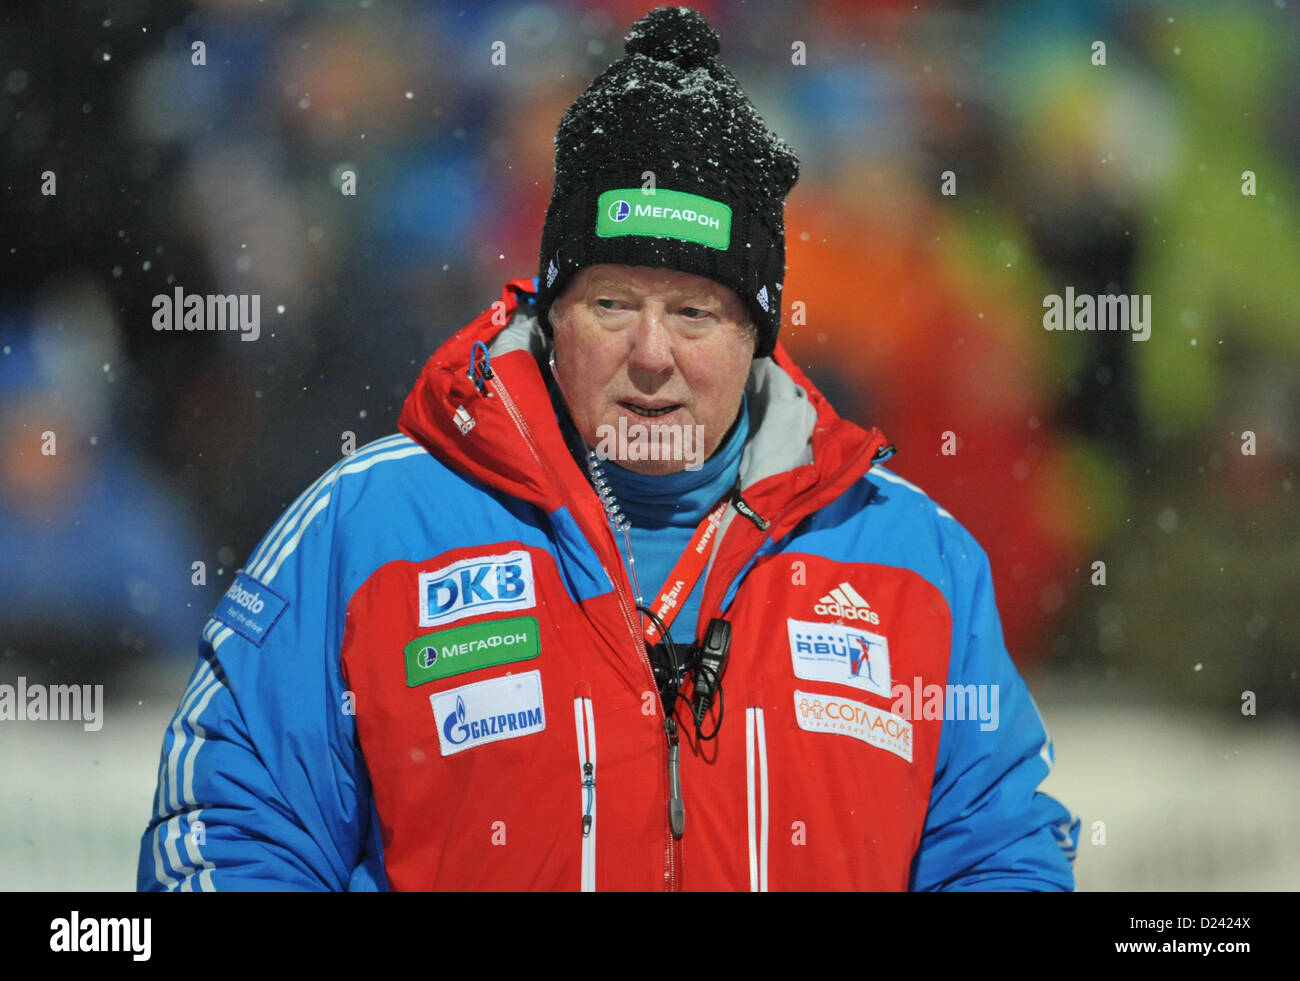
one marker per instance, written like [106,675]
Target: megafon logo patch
[482,584]
[664,214]
[836,652]
[489,711]
[478,645]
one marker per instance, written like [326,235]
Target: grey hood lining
[781,424]
[524,332]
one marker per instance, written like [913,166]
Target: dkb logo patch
[482,584]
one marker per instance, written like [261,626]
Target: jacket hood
[495,422]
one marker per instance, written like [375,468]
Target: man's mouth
[650,412]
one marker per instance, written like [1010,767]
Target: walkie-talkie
[711,662]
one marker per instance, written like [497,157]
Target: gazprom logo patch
[619,210]
[489,711]
[482,584]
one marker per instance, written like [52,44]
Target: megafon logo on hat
[664,214]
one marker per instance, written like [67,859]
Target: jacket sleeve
[988,828]
[261,782]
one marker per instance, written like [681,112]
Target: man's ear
[555,375]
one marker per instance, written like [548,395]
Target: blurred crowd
[209,145]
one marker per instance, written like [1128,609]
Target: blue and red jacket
[430,673]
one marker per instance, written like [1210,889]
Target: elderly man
[626,605]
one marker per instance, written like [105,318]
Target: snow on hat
[720,176]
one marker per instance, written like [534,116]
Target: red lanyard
[686,573]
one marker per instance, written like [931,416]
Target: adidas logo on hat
[846,603]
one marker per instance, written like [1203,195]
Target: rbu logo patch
[842,654]
[482,584]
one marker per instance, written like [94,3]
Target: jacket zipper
[629,619]
[756,787]
[586,726]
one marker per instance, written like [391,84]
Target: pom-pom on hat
[714,205]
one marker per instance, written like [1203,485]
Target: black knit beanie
[668,106]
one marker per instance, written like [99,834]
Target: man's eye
[695,313]
[607,304]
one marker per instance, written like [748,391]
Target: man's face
[658,348]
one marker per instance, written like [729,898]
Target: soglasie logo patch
[664,214]
[482,584]
[819,712]
[489,711]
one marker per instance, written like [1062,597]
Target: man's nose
[652,343]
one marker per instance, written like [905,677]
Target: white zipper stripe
[756,786]
[762,766]
[749,789]
[585,723]
[591,838]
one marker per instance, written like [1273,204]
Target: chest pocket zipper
[585,723]
[756,787]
